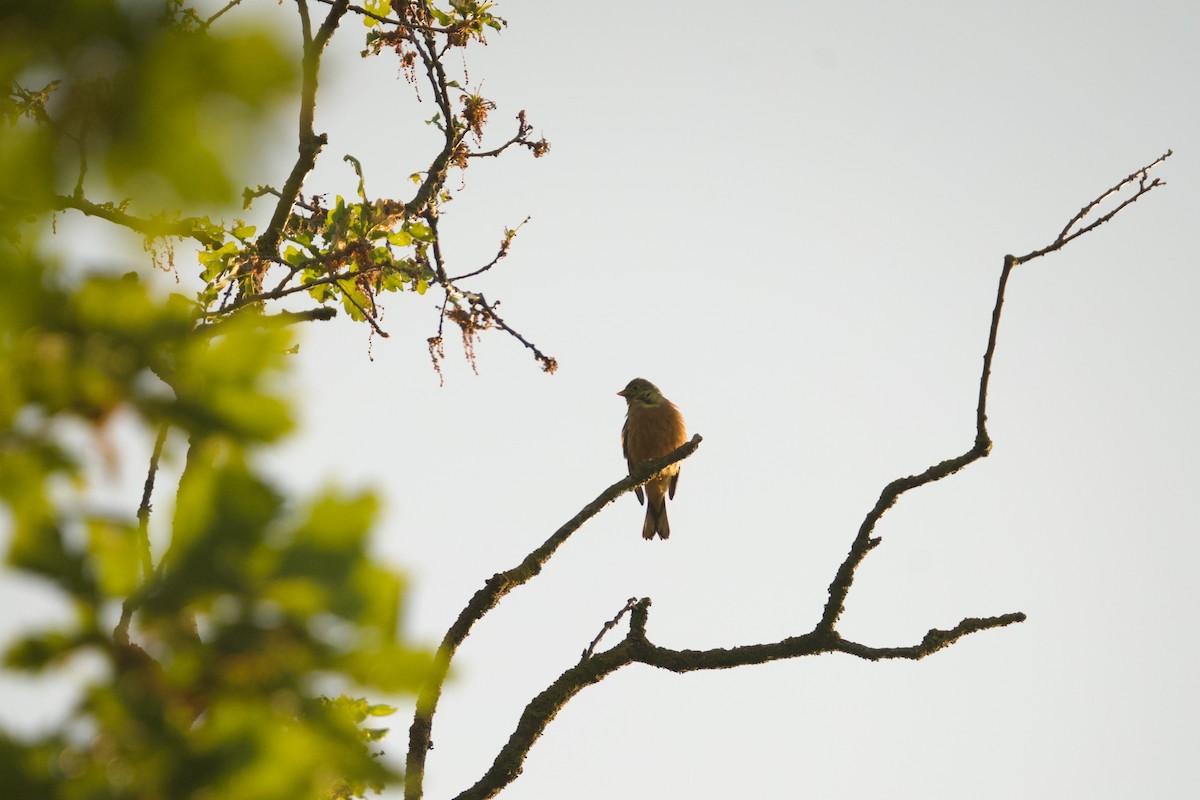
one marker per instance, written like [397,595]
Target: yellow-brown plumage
[653,428]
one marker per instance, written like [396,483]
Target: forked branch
[1083,222]
[635,647]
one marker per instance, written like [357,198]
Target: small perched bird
[653,428]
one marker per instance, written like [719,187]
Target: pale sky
[792,220]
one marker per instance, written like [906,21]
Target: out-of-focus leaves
[114,549]
[390,667]
[378,7]
[109,342]
[222,381]
[27,767]
[166,110]
[26,170]
[37,541]
[40,650]
[221,516]
[250,753]
[209,689]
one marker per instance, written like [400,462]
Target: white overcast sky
[791,216]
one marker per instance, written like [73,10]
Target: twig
[208,22]
[143,512]
[131,603]
[1144,186]
[282,291]
[505,244]
[476,300]
[608,626]
[523,130]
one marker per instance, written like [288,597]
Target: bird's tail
[656,519]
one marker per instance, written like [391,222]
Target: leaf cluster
[218,650]
[253,601]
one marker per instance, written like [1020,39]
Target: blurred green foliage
[213,668]
[168,111]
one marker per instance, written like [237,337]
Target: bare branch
[635,648]
[934,640]
[520,137]
[208,22]
[608,626]
[505,244]
[549,363]
[131,604]
[484,600]
[143,512]
[1144,186]
[863,542]
[824,638]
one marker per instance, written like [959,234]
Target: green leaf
[41,650]
[378,7]
[421,231]
[293,256]
[222,382]
[222,514]
[362,191]
[391,280]
[216,262]
[390,668]
[244,232]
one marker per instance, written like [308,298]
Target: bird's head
[640,391]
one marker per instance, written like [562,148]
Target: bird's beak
[621,393]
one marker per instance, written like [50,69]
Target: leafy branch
[356,249]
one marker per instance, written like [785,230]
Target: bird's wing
[641,496]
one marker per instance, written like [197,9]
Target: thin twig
[279,292]
[549,363]
[130,604]
[143,512]
[208,22]
[505,244]
[1066,235]
[608,626]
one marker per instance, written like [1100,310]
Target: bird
[653,428]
